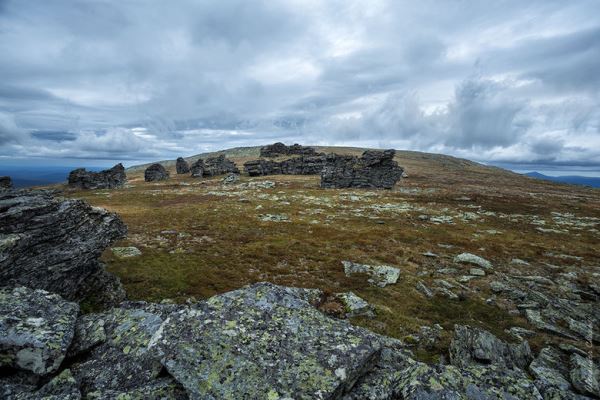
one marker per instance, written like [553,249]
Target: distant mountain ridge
[570,179]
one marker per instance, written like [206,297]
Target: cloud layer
[129,80]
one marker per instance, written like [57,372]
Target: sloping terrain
[200,237]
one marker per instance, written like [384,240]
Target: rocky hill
[462,282]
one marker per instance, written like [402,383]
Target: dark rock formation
[280,149]
[197,168]
[156,172]
[182,166]
[36,328]
[214,166]
[54,244]
[304,165]
[374,169]
[5,183]
[107,179]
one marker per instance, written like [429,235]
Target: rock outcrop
[36,328]
[156,172]
[54,244]
[379,275]
[213,166]
[5,183]
[303,165]
[374,169]
[107,179]
[280,149]
[182,166]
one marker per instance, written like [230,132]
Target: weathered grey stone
[468,258]
[355,306]
[61,387]
[262,342]
[374,169]
[158,389]
[197,168]
[585,375]
[303,165]
[156,172]
[182,166]
[477,272]
[219,165]
[421,287]
[280,149]
[107,179]
[231,178]
[36,328]
[54,244]
[472,345]
[379,275]
[126,252]
[5,183]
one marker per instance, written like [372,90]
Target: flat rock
[262,342]
[477,272]
[126,252]
[36,329]
[354,306]
[468,258]
[379,275]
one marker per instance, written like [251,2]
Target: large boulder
[374,169]
[303,165]
[263,342]
[219,165]
[156,172]
[280,149]
[197,168]
[36,329]
[182,166]
[107,179]
[5,183]
[54,244]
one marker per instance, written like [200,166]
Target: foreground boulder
[182,166]
[156,172]
[263,342]
[374,169]
[5,183]
[54,244]
[36,328]
[107,179]
[280,149]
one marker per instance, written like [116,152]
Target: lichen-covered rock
[5,183]
[36,329]
[231,178]
[374,169]
[182,166]
[116,355]
[219,165]
[61,387]
[54,244]
[379,275]
[468,258]
[261,342]
[158,389]
[585,375]
[126,252]
[156,172]
[114,177]
[477,346]
[355,306]
[280,149]
[550,370]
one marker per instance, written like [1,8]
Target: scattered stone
[280,149]
[53,244]
[468,258]
[474,345]
[424,290]
[107,179]
[374,169]
[5,183]
[231,178]
[379,275]
[520,333]
[355,306]
[262,342]
[429,254]
[477,272]
[182,166]
[274,217]
[156,172]
[36,328]
[126,252]
[518,261]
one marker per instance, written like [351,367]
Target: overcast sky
[502,81]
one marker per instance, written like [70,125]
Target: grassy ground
[200,238]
